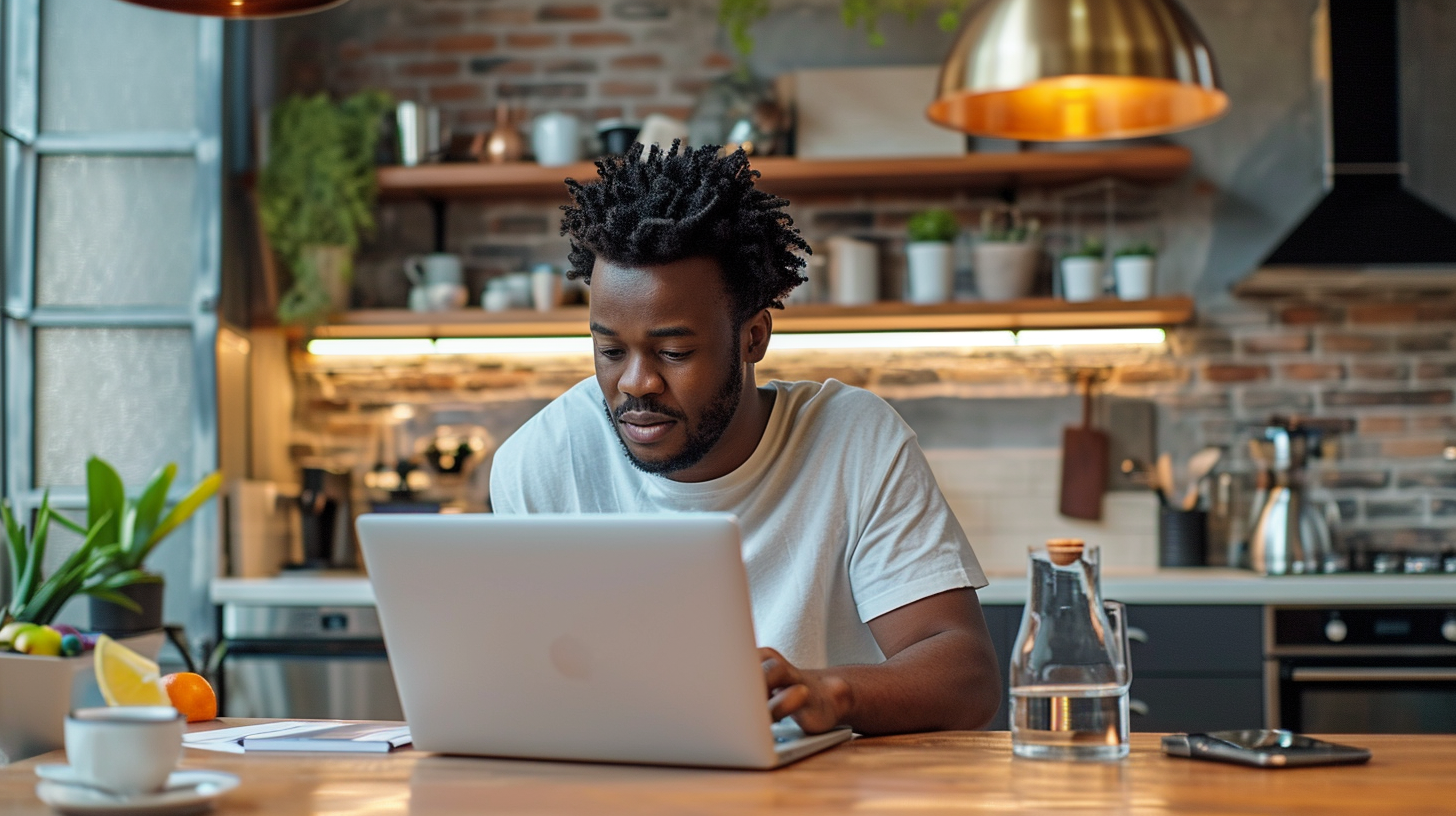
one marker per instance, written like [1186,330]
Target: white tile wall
[1006,499]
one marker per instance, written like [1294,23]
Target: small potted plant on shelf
[1006,255]
[316,196]
[129,530]
[1132,271]
[1082,272]
[929,255]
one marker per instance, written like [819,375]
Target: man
[862,582]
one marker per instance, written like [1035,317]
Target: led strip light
[845,341]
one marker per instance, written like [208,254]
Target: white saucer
[186,792]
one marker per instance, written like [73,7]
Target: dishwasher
[305,662]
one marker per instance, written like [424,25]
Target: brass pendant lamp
[241,9]
[1071,70]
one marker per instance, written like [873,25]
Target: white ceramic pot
[931,271]
[1005,270]
[854,272]
[335,268]
[1133,275]
[1081,278]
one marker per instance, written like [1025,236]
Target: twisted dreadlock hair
[687,203]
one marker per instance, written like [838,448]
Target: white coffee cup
[436,267]
[545,287]
[854,271]
[125,749]
[556,139]
[441,297]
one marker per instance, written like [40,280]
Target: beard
[700,437]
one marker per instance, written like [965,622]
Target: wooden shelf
[1037,313]
[790,175]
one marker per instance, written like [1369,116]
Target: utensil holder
[1182,537]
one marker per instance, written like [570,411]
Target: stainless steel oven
[1361,670]
[324,662]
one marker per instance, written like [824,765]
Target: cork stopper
[1064,551]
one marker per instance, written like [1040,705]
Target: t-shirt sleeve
[911,545]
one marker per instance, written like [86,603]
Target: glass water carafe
[1069,668]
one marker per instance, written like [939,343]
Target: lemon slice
[126,678]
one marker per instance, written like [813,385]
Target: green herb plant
[1090,248]
[37,599]
[318,187]
[136,526]
[1008,227]
[1143,250]
[936,224]
[737,16]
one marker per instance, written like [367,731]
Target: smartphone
[1263,748]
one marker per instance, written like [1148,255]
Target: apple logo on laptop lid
[571,658]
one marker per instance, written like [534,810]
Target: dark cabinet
[1194,668]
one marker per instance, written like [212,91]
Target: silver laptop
[613,638]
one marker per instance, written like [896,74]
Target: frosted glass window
[115,231]
[125,395]
[109,66]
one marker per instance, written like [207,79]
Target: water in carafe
[1069,668]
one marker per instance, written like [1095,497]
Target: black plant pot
[114,619]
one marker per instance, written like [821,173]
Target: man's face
[668,360]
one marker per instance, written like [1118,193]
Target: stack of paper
[292,735]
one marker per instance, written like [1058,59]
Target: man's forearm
[948,681]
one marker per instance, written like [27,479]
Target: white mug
[126,749]
[545,287]
[442,297]
[436,267]
[854,272]
[556,139]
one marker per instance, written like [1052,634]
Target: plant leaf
[183,510]
[128,541]
[15,545]
[70,525]
[115,597]
[153,499]
[104,491]
[30,576]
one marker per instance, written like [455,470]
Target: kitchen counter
[1152,586]
[961,772]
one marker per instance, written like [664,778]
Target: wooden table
[967,772]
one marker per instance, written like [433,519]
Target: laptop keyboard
[786,731]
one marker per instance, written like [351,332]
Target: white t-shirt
[842,519]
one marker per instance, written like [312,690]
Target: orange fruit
[191,695]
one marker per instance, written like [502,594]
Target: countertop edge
[1164,587]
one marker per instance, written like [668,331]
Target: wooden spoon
[1199,466]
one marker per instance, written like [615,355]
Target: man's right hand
[816,699]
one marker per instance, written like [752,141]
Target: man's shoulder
[834,406]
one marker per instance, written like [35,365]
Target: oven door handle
[1361,675]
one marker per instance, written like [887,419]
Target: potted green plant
[1006,255]
[929,255]
[1132,271]
[129,530]
[40,659]
[1082,271]
[317,193]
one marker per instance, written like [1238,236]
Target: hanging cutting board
[1084,464]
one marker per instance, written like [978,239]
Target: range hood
[1368,221]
